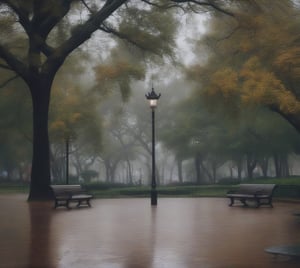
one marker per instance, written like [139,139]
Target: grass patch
[286,188]
[293,180]
[13,187]
[163,191]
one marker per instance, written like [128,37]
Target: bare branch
[164,6]
[87,6]
[208,4]
[123,36]
[84,31]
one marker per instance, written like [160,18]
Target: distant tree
[88,175]
[15,133]
[74,123]
[195,133]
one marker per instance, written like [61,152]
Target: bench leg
[270,202]
[231,201]
[258,203]
[61,203]
[87,201]
[264,202]
[244,202]
[79,203]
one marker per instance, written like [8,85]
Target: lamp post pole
[153,97]
[67,159]
[153,181]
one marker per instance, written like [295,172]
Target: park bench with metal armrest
[64,194]
[262,194]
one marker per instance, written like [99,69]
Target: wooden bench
[64,194]
[260,193]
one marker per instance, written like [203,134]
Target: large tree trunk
[40,173]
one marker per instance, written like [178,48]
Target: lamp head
[152,97]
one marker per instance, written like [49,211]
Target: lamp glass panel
[153,103]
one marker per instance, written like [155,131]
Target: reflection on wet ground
[129,233]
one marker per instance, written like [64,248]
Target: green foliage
[119,72]
[13,187]
[15,127]
[247,64]
[143,39]
[151,29]
[240,75]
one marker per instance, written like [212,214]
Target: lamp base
[153,197]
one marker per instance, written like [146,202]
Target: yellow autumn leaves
[253,60]
[67,112]
[253,84]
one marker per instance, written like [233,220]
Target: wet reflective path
[129,233]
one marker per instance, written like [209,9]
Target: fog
[208,127]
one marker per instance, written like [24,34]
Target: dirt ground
[129,233]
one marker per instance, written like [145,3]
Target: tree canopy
[254,60]
[34,49]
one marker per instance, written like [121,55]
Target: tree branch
[177,4]
[3,66]
[87,7]
[83,32]
[9,80]
[15,64]
[164,6]
[123,36]
[45,18]
[21,13]
[208,4]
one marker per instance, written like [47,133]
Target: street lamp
[152,97]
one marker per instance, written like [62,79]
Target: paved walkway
[129,233]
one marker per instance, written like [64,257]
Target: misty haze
[130,127]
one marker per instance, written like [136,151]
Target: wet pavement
[129,233]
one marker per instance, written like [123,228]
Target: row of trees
[250,62]
[194,144]
[253,63]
